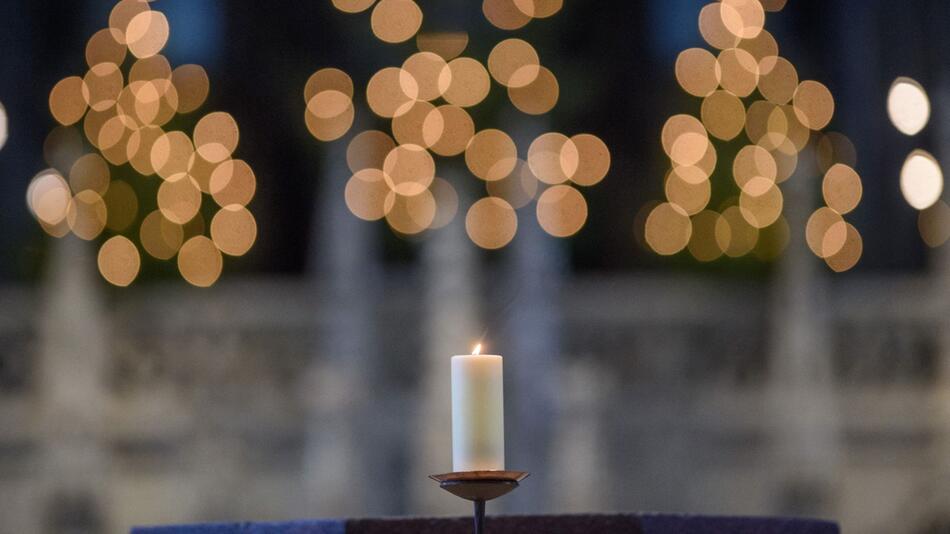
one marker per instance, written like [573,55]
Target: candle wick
[478,348]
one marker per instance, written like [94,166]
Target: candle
[478,414]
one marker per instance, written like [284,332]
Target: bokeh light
[934,224]
[491,223]
[908,106]
[395,21]
[921,180]
[119,261]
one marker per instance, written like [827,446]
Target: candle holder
[479,487]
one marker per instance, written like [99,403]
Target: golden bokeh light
[447,130]
[233,230]
[216,136]
[491,223]
[171,153]
[739,71]
[668,229]
[233,182]
[713,29]
[121,16]
[192,85]
[408,128]
[66,101]
[754,169]
[448,45]
[395,21]
[514,63]
[353,6]
[160,237]
[491,155]
[90,172]
[841,188]
[179,198]
[539,9]
[779,81]
[199,261]
[538,96]
[368,150]
[86,215]
[689,195]
[763,209]
[101,86]
[518,188]
[743,18]
[367,194]
[921,180]
[424,70]
[464,82]
[48,197]
[773,5]
[814,105]
[697,71]
[119,261]
[908,106]
[446,202]
[593,159]
[734,235]
[825,232]
[702,242]
[934,224]
[763,48]
[553,158]
[561,210]
[147,33]
[103,48]
[328,79]
[138,149]
[408,170]
[332,128]
[505,14]
[684,139]
[850,251]
[410,215]
[390,93]
[723,115]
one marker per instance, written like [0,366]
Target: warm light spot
[4,126]
[122,14]
[192,85]
[491,155]
[152,69]
[689,148]
[201,169]
[779,81]
[179,198]
[477,350]
[423,70]
[921,180]
[464,82]
[691,197]
[841,188]
[514,63]
[216,136]
[723,115]
[410,215]
[713,29]
[200,261]
[518,188]
[537,97]
[561,210]
[539,9]
[446,202]
[233,230]
[409,169]
[849,253]
[795,131]
[390,93]
[751,166]
[114,138]
[593,159]
[119,261]
[697,71]
[160,237]
[825,232]
[764,49]
[138,150]
[448,45]
[122,206]
[101,86]
[504,14]
[366,194]
[734,235]
[328,79]
[86,214]
[171,153]
[147,33]
[233,182]
[934,224]
[762,209]
[553,157]
[332,128]
[667,229]
[786,161]
[690,175]
[408,127]
[707,164]
[702,242]
[739,71]
[368,150]
[773,5]
[395,21]
[814,105]
[66,101]
[675,128]
[353,6]
[103,48]
[90,172]
[908,106]
[447,130]
[743,18]
[491,223]
[48,197]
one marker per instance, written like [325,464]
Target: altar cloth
[541,524]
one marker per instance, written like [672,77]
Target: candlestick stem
[479,515]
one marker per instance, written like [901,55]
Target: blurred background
[647,368]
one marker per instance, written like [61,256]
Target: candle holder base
[479,487]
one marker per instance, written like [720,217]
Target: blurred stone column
[450,326]
[530,319]
[341,377]
[74,335]
[805,434]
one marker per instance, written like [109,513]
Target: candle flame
[478,348]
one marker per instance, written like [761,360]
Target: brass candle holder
[479,487]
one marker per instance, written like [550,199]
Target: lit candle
[478,413]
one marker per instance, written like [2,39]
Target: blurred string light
[921,179]
[4,127]
[754,104]
[427,100]
[118,113]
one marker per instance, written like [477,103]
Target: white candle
[478,413]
